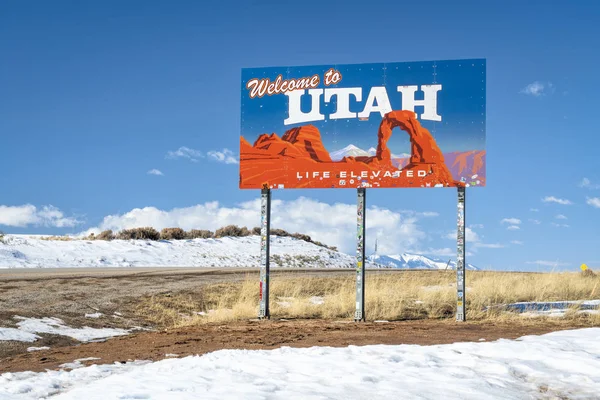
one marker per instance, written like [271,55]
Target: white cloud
[394,231]
[535,221]
[476,226]
[560,216]
[548,263]
[586,183]
[534,210]
[155,172]
[513,228]
[511,221]
[470,235]
[560,225]
[185,152]
[26,215]
[473,239]
[490,245]
[429,214]
[517,242]
[552,199]
[538,88]
[593,201]
[226,156]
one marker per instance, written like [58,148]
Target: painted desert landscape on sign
[298,159]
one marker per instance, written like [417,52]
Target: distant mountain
[348,151]
[353,151]
[413,261]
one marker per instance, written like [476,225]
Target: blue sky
[460,103]
[95,95]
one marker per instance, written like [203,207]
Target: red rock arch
[423,148]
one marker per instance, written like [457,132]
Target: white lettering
[377,101]
[343,101]
[429,101]
[295,113]
[379,94]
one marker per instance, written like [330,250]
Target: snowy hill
[31,251]
[412,261]
[348,151]
[20,251]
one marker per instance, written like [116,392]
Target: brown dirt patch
[273,334]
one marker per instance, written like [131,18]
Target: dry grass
[57,238]
[389,296]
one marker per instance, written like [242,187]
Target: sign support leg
[359,314]
[460,260]
[265,243]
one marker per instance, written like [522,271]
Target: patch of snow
[38,348]
[17,335]
[77,363]
[317,300]
[561,364]
[28,327]
[94,315]
[550,308]
[171,355]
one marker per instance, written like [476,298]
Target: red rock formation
[308,137]
[276,146]
[299,159]
[424,149]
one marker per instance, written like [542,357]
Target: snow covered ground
[551,308]
[562,364]
[25,251]
[19,251]
[28,328]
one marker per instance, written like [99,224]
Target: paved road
[115,272]
[8,274]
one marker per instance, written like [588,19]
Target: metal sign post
[359,314]
[460,260]
[265,242]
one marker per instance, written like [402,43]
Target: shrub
[301,236]
[256,230]
[279,232]
[172,234]
[199,234]
[232,231]
[139,233]
[105,235]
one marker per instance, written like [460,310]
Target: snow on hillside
[561,364]
[348,151]
[413,261]
[353,151]
[24,252]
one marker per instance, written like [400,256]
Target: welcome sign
[408,124]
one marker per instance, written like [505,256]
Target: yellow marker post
[583,267]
